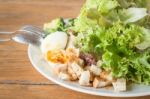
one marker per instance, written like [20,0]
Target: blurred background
[15,13]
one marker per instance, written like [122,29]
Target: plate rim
[81,90]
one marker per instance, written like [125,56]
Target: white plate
[44,68]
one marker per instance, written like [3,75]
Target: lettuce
[116,32]
[102,6]
[133,3]
[135,14]
[107,12]
[54,25]
[139,70]
[58,24]
[146,40]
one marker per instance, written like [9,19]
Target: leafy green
[102,6]
[116,31]
[135,14]
[140,65]
[54,25]
[58,24]
[107,12]
[146,42]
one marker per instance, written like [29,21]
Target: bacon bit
[88,59]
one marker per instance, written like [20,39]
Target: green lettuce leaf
[58,24]
[102,6]
[146,40]
[139,70]
[54,25]
[135,14]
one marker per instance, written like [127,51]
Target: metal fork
[27,34]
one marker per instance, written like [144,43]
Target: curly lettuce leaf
[133,3]
[135,14]
[58,24]
[139,70]
[54,25]
[146,40]
[114,31]
[102,6]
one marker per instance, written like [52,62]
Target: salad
[106,45]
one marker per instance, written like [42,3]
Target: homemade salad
[108,44]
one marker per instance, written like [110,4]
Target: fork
[27,34]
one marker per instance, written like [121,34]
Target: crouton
[119,85]
[80,62]
[72,73]
[64,76]
[59,68]
[91,74]
[99,83]
[95,70]
[77,69]
[74,77]
[84,79]
[73,52]
[106,75]
[87,68]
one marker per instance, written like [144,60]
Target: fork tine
[27,28]
[33,29]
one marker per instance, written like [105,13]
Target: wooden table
[18,79]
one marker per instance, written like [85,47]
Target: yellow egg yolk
[57,56]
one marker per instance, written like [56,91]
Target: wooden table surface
[18,79]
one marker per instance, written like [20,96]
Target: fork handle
[6,38]
[6,32]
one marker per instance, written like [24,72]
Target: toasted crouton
[95,70]
[64,76]
[80,62]
[119,85]
[87,68]
[59,68]
[72,73]
[106,75]
[98,82]
[91,74]
[72,54]
[84,79]
[77,69]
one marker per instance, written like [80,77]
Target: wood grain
[18,79]
[36,12]
[46,92]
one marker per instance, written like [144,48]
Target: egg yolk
[56,56]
